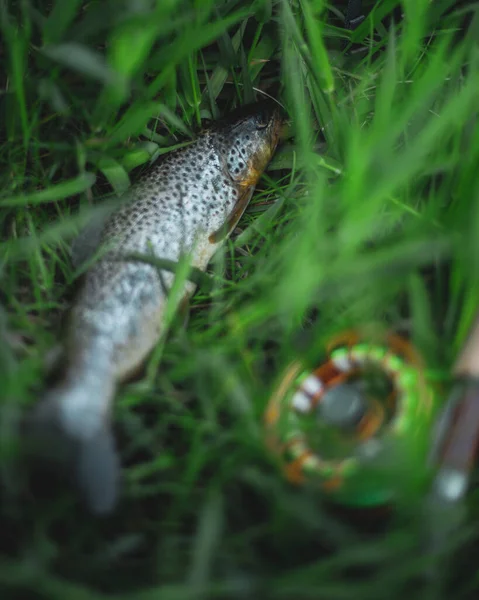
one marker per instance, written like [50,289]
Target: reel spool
[358,425]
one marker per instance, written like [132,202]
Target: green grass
[368,213]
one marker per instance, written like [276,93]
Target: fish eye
[262,121]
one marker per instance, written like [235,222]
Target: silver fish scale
[189,192]
[171,212]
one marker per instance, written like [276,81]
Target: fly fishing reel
[358,424]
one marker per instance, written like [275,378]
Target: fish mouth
[277,124]
[275,117]
[277,129]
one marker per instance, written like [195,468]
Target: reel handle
[457,438]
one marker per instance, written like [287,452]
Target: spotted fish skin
[186,205]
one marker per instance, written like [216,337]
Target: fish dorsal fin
[87,242]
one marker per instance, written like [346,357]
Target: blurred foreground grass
[369,213]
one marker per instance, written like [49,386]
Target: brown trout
[187,204]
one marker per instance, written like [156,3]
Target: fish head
[248,138]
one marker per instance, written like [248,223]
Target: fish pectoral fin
[238,210]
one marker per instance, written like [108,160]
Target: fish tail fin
[98,470]
[72,427]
